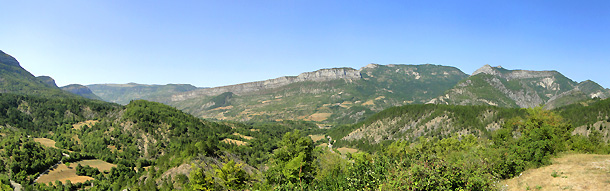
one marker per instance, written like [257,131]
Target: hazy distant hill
[519,88]
[81,91]
[339,95]
[123,93]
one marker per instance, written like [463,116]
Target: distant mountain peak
[487,69]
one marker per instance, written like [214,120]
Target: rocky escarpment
[239,89]
[513,88]
[513,74]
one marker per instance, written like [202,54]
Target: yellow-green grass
[316,137]
[243,136]
[233,141]
[45,142]
[345,150]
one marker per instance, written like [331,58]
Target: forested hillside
[54,140]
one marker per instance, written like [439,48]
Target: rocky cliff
[239,89]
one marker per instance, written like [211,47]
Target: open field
[45,142]
[233,141]
[316,137]
[568,172]
[99,164]
[63,173]
[345,150]
[81,124]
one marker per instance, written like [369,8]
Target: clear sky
[214,43]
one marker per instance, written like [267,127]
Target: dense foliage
[149,141]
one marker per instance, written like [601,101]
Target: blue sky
[214,43]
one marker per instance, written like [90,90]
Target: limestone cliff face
[240,89]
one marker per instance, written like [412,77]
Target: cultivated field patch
[319,116]
[345,150]
[46,142]
[99,164]
[316,137]
[63,172]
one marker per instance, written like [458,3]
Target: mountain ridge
[518,88]
[248,87]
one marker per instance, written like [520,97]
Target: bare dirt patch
[46,142]
[233,141]
[345,150]
[243,136]
[568,172]
[89,123]
[316,137]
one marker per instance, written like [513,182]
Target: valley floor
[568,172]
